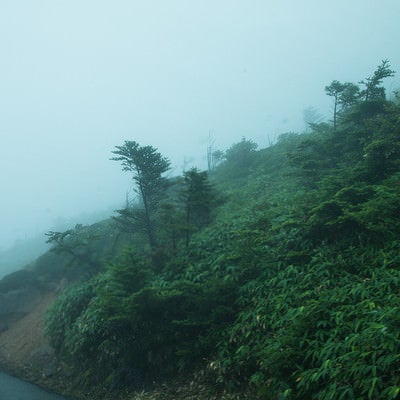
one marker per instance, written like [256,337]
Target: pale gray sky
[79,77]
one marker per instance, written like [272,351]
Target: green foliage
[185,317]
[125,320]
[239,159]
[291,289]
[320,331]
[80,253]
[147,167]
[381,159]
[75,244]
[171,218]
[198,198]
[314,156]
[315,322]
[64,313]
[373,89]
[240,153]
[345,95]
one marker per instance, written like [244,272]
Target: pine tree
[147,167]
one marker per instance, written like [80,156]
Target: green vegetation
[147,167]
[277,275]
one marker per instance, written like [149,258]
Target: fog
[80,77]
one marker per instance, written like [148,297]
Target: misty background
[80,77]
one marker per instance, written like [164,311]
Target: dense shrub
[292,290]
[125,320]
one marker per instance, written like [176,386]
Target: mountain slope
[290,290]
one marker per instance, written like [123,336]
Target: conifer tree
[373,84]
[147,166]
[198,198]
[344,96]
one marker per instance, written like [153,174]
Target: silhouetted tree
[373,89]
[344,95]
[349,95]
[77,244]
[311,116]
[241,154]
[334,90]
[198,196]
[171,219]
[147,167]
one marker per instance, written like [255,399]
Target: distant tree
[76,243]
[373,84]
[344,95]
[241,154]
[147,167]
[210,151]
[198,196]
[131,219]
[311,117]
[171,218]
[214,159]
[349,95]
[334,90]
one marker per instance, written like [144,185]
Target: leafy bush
[65,311]
[292,289]
[320,331]
[125,321]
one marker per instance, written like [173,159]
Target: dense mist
[79,78]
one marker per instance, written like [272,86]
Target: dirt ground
[23,346]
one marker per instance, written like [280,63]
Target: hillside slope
[24,350]
[275,276]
